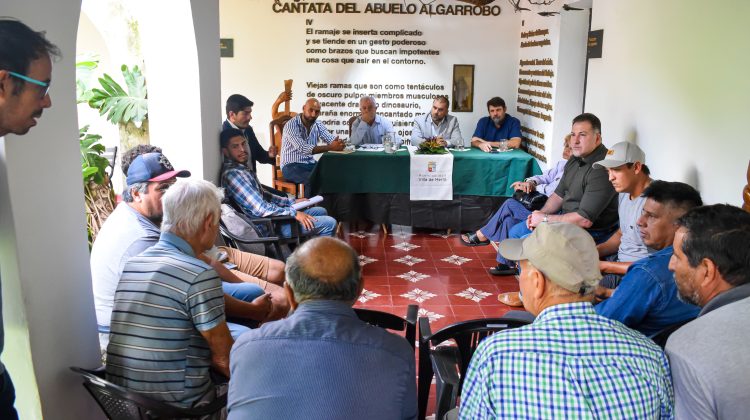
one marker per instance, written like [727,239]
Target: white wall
[270,47]
[673,78]
[47,300]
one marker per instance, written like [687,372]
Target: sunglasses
[45,85]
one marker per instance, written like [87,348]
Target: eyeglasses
[28,79]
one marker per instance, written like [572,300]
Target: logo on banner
[431,166]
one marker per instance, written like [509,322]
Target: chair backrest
[662,336]
[110,153]
[393,322]
[119,403]
[351,121]
[238,227]
[276,129]
[467,335]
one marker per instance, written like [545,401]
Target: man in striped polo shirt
[168,325]
[302,135]
[570,362]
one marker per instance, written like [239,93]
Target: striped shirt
[297,144]
[570,363]
[243,187]
[164,299]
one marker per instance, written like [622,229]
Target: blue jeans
[521,231]
[324,224]
[246,292]
[7,397]
[510,213]
[299,173]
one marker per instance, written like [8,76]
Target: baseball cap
[564,252]
[622,153]
[152,167]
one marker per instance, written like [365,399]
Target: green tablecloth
[474,172]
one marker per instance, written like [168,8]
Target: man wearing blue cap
[134,226]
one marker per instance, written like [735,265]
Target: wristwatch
[545,218]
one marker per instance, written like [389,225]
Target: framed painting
[463,88]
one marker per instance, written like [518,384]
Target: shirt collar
[730,296]
[176,242]
[330,307]
[565,310]
[598,154]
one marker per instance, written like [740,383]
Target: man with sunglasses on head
[25,74]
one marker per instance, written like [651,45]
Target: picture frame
[463,88]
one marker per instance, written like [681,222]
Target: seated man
[570,362]
[303,137]
[646,299]
[709,357]
[333,364]
[437,124]
[243,187]
[512,212]
[626,166]
[499,129]
[369,127]
[168,322]
[134,226]
[584,197]
[239,111]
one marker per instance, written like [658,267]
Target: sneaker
[503,270]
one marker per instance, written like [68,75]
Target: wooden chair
[448,363]
[110,153]
[746,192]
[276,128]
[351,121]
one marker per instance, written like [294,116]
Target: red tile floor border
[448,280]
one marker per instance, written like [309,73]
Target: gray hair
[187,203]
[306,287]
[127,194]
[368,98]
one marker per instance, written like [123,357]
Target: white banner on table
[431,177]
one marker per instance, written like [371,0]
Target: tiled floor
[448,280]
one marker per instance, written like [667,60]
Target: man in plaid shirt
[242,186]
[571,362]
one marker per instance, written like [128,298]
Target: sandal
[473,240]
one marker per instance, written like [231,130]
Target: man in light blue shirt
[322,362]
[370,127]
[437,124]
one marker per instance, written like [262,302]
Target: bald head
[324,269]
[310,111]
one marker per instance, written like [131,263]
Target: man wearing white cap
[570,362]
[626,166]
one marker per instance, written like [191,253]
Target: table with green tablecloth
[374,186]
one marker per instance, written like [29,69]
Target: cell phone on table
[494,151]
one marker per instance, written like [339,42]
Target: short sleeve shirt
[586,190]
[509,127]
[165,297]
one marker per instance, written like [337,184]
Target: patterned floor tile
[405,246]
[367,296]
[473,294]
[413,276]
[409,260]
[364,260]
[418,295]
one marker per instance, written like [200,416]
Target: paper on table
[307,203]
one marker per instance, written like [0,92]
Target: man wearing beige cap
[626,166]
[562,365]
